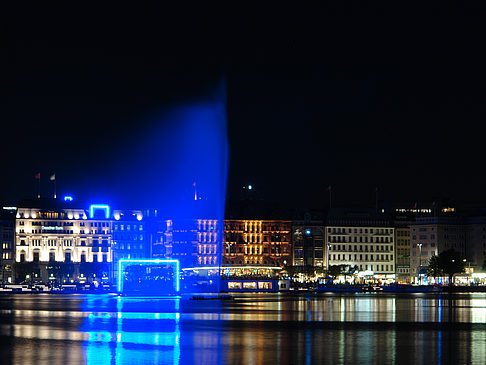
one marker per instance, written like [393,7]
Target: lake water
[362,328]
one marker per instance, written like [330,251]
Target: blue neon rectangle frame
[126,262]
[104,207]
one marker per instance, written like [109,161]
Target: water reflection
[252,329]
[128,337]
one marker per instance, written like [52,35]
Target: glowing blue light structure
[139,331]
[148,262]
[68,198]
[94,207]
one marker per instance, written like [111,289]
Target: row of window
[207,260]
[360,230]
[361,239]
[249,250]
[233,237]
[67,257]
[299,254]
[403,233]
[207,249]
[128,237]
[128,246]
[362,257]
[69,242]
[255,228]
[128,227]
[354,248]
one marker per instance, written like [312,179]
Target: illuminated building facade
[464,234]
[402,219]
[257,242]
[308,243]
[475,251]
[402,253]
[194,242]
[362,239]
[430,236]
[7,244]
[49,233]
[129,235]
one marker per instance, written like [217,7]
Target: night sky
[310,103]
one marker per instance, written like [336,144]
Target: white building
[52,233]
[369,248]
[362,239]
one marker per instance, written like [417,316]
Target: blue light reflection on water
[135,333]
[283,329]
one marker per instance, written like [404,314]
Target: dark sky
[349,101]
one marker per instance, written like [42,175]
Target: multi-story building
[402,219]
[361,239]
[54,240]
[402,253]
[430,236]
[257,242]
[475,251]
[308,248]
[129,235]
[7,243]
[194,242]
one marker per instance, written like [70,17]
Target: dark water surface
[367,328]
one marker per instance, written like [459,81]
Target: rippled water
[368,328]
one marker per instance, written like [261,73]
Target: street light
[328,254]
[420,262]
[328,257]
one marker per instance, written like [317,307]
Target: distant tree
[349,270]
[307,270]
[22,269]
[336,270]
[434,270]
[451,262]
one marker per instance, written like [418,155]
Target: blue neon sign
[95,207]
[68,198]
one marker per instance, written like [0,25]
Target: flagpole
[53,178]
[38,188]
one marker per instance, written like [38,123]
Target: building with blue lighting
[194,242]
[130,235]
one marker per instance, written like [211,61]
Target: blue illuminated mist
[176,162]
[165,153]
